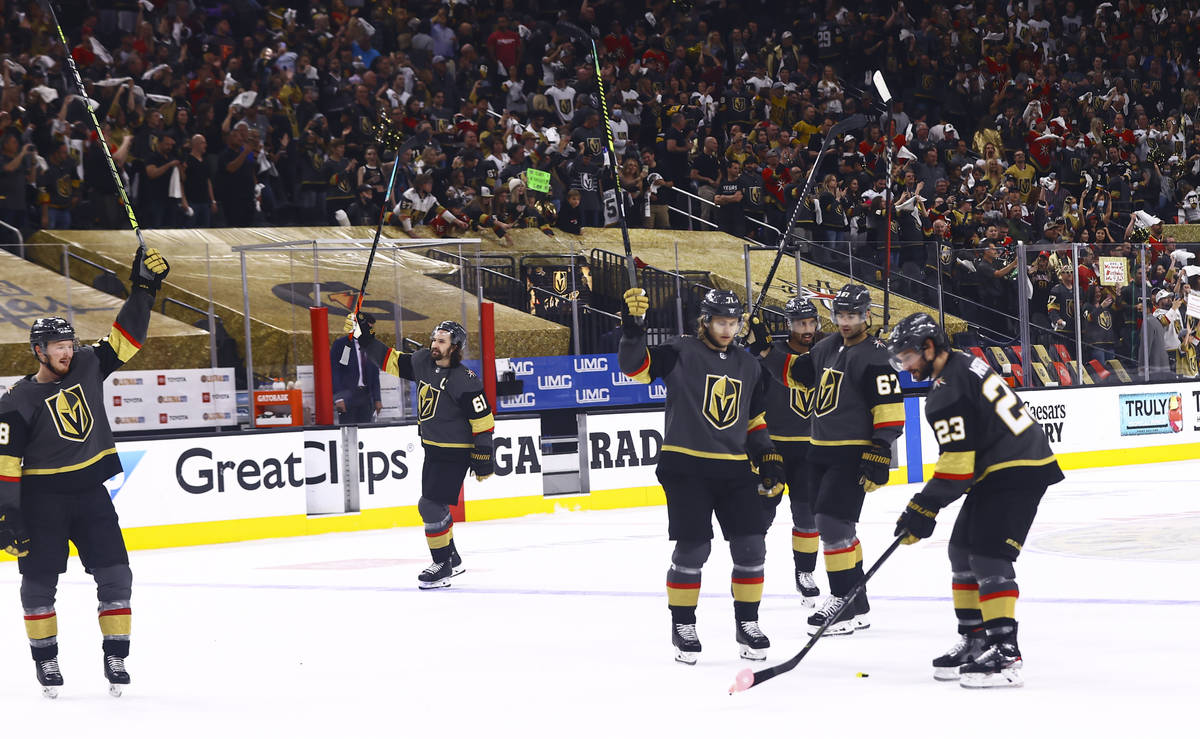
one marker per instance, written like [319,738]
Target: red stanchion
[487,342]
[322,377]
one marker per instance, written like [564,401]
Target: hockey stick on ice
[747,678]
[854,122]
[112,165]
[388,138]
[611,152]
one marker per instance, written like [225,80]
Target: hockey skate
[456,563]
[843,625]
[998,667]
[115,674]
[862,612]
[807,587]
[752,642]
[686,643]
[48,676]
[969,647]
[436,575]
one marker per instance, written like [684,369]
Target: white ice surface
[560,628]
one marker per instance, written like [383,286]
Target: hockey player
[992,450]
[456,427]
[715,428]
[789,419]
[56,451]
[857,414]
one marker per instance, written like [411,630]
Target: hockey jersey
[55,435]
[789,409]
[716,405]
[856,394]
[452,410]
[983,431]
[415,207]
[1172,325]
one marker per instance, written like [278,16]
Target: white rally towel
[175,186]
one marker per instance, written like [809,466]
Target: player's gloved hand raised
[758,332]
[770,473]
[917,520]
[355,326]
[149,269]
[481,463]
[13,538]
[636,302]
[875,466]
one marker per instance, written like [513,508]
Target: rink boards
[262,484]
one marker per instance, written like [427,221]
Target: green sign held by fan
[537,180]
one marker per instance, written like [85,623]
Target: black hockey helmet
[912,331]
[852,299]
[799,308]
[52,328]
[458,334]
[721,303]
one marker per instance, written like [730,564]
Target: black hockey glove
[149,270]
[875,466]
[358,327]
[770,473]
[481,463]
[13,538]
[758,332]
[917,520]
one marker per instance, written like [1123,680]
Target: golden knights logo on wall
[560,281]
[722,400]
[828,391]
[427,400]
[71,414]
[802,401]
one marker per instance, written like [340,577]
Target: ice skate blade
[443,583]
[845,628]
[50,691]
[946,674]
[861,622]
[745,652]
[686,658]
[1003,679]
[115,689]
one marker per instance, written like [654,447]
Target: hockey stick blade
[854,122]
[71,75]
[747,679]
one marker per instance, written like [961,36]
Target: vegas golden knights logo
[594,145]
[564,106]
[739,104]
[828,391]
[1105,320]
[427,400]
[722,400]
[560,281]
[71,414]
[802,401]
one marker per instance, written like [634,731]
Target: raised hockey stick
[748,678]
[630,266]
[112,165]
[389,138]
[854,122]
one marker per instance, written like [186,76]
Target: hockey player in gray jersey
[857,415]
[56,451]
[715,430]
[994,452]
[456,425]
[789,420]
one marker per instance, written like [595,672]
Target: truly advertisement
[1151,413]
[582,381]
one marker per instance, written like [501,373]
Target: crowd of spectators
[1025,121]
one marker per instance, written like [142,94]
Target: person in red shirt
[617,42]
[1087,270]
[504,43]
[82,54]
